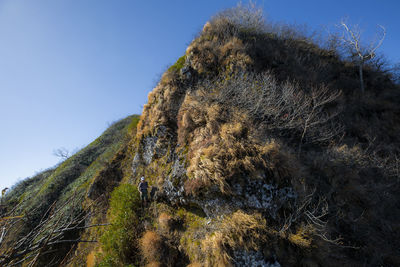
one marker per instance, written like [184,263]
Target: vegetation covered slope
[260,150]
[54,199]
[264,151]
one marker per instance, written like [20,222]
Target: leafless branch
[62,153]
[314,213]
[50,231]
[281,108]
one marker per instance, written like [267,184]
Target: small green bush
[119,242]
[178,64]
[109,261]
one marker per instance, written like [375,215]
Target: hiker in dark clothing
[143,186]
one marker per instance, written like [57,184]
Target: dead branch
[49,232]
[309,115]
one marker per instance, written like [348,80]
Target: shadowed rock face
[214,157]
[253,259]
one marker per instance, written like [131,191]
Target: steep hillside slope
[259,150]
[52,200]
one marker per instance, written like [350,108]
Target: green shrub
[119,242]
[109,261]
[178,64]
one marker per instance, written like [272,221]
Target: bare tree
[62,153]
[248,16]
[362,53]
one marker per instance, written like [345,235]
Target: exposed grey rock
[149,143]
[254,195]
[252,259]
[152,146]
[178,169]
[214,207]
[173,187]
[135,163]
[174,193]
[262,196]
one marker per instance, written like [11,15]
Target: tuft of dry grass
[220,150]
[154,264]
[151,246]
[204,56]
[234,57]
[151,112]
[91,259]
[164,221]
[237,231]
[216,250]
[244,230]
[303,236]
[231,153]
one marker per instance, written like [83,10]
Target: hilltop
[260,150]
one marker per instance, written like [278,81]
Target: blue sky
[68,68]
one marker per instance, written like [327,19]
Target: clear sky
[68,68]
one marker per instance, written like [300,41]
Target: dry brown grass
[218,48]
[164,221]
[237,231]
[151,112]
[230,154]
[209,55]
[191,115]
[303,236]
[234,57]
[162,105]
[244,230]
[91,259]
[221,146]
[216,250]
[204,56]
[232,47]
[151,246]
[154,264]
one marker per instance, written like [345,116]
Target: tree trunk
[360,70]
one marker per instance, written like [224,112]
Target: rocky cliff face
[274,171]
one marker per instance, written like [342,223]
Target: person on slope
[143,188]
